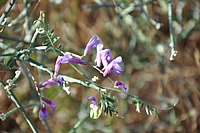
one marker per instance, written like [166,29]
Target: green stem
[152,21]
[14,110]
[78,124]
[93,85]
[172,42]
[49,39]
[13,39]
[17,103]
[7,10]
[12,96]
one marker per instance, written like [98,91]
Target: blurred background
[138,30]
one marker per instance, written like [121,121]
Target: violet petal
[121,85]
[43,113]
[50,103]
[93,42]
[92,99]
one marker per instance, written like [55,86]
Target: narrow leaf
[147,109]
[151,110]
[138,107]
[55,39]
[52,33]
[46,42]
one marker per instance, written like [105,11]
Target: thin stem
[78,124]
[95,86]
[7,10]
[14,110]
[12,96]
[152,21]
[17,103]
[96,6]
[46,126]
[27,74]
[13,39]
[172,42]
[95,67]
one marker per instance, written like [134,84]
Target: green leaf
[138,107]
[46,42]
[151,110]
[147,109]
[55,39]
[138,104]
[49,48]
[135,100]
[156,110]
[106,104]
[42,35]
[52,33]
[110,111]
[59,46]
[110,99]
[10,63]
[3,84]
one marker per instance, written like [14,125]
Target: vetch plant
[103,63]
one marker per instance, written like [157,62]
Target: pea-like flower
[95,112]
[121,85]
[58,81]
[50,103]
[93,42]
[114,65]
[65,59]
[43,113]
[98,55]
[103,57]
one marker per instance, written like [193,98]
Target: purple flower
[57,65]
[93,42]
[92,100]
[93,106]
[43,113]
[105,57]
[114,65]
[50,103]
[95,112]
[58,81]
[121,85]
[65,59]
[98,56]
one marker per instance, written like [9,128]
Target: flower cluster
[109,64]
[103,57]
[57,80]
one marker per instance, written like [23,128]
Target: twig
[13,39]
[172,42]
[12,96]
[91,84]
[14,110]
[157,25]
[7,10]
[78,124]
